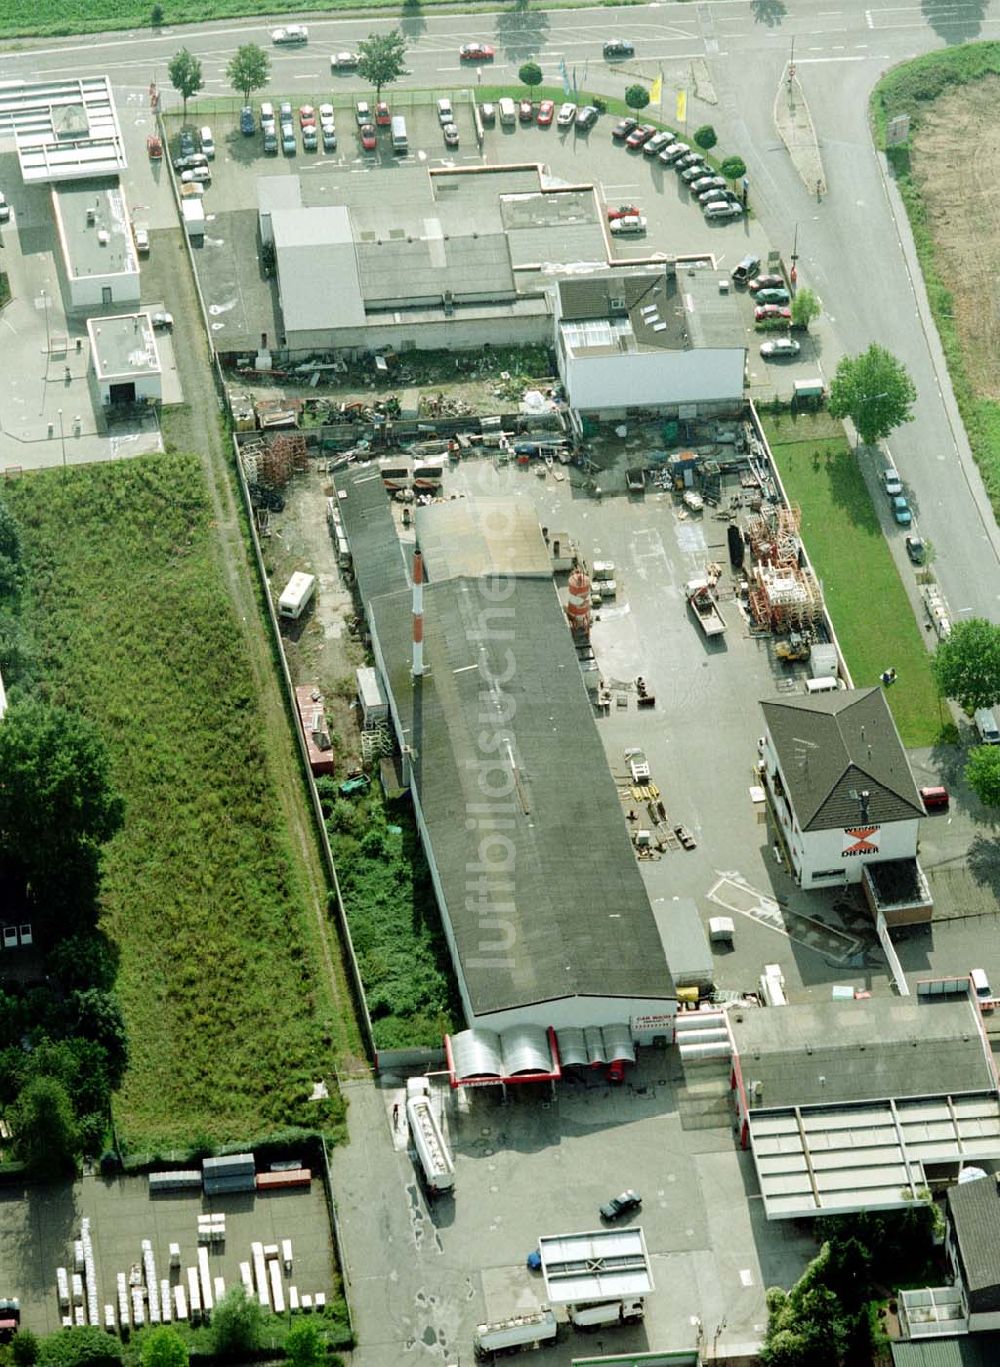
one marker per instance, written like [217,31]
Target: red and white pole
[418,613]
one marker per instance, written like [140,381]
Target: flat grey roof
[481,536]
[124,346]
[832,747]
[825,1052]
[63,129]
[567,914]
[596,1266]
[101,245]
[713,315]
[318,276]
[432,259]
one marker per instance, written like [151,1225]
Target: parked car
[722,211]
[546,113]
[673,151]
[288,139]
[369,137]
[707,182]
[623,128]
[307,115]
[476,52]
[773,296]
[285,111]
[745,270]
[266,112]
[526,111]
[586,117]
[629,225]
[639,135]
[290,34]
[935,798]
[154,147]
[901,510]
[615,48]
[766,313]
[621,1205]
[362,112]
[695,170]
[329,134]
[200,173]
[488,114]
[188,163]
[185,142]
[326,118]
[248,125]
[780,349]
[766,282]
[162,320]
[656,143]
[450,131]
[270,141]
[344,61]
[445,112]
[623,211]
[383,116]
[916,549]
[566,116]
[310,138]
[716,196]
[891,482]
[139,232]
[687,159]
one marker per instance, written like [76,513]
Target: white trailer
[435,1158]
[588,1314]
[520,1331]
[193,212]
[296,595]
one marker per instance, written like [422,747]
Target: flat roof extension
[94,229]
[123,347]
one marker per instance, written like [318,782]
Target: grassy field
[864,594]
[229,1015]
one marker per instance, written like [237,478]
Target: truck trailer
[520,1331]
[435,1159]
[701,600]
[590,1314]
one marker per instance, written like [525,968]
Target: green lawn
[864,594]
[229,1013]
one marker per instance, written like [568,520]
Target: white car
[4,209]
[162,321]
[325,115]
[630,223]
[779,348]
[344,61]
[566,116]
[445,112]
[291,33]
[723,211]
[891,482]
[363,112]
[197,173]
[141,234]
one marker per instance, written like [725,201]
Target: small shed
[685,944]
[371,695]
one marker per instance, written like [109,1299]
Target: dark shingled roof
[833,746]
[379,566]
[975,1216]
[568,913]
[970,1350]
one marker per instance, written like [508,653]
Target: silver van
[508,112]
[986,725]
[399,140]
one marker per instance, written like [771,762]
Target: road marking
[816,61]
[868,18]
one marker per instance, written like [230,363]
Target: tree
[236,1324]
[805,308]
[24,1348]
[637,97]
[530,74]
[156,16]
[184,71]
[163,1347]
[304,1345]
[249,70]
[705,137]
[874,390]
[966,664]
[734,168]
[10,552]
[381,59]
[982,773]
[84,1345]
[44,1129]
[99,1018]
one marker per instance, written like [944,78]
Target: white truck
[194,219]
[590,1314]
[520,1331]
[701,600]
[435,1158]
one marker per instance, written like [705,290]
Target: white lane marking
[868,18]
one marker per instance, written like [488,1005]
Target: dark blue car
[247,121]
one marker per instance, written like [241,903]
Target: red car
[546,113]
[307,116]
[767,282]
[382,116]
[369,140]
[476,52]
[765,312]
[526,111]
[624,211]
[640,135]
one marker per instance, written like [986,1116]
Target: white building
[100,264]
[64,129]
[840,786]
[126,359]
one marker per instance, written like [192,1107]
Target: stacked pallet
[211,1229]
[277,1181]
[123,1310]
[62,1289]
[179,1180]
[260,1274]
[165,1309]
[205,1280]
[231,1172]
[89,1272]
[152,1285]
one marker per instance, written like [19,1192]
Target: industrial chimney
[418,613]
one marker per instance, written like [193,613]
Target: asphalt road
[852,246]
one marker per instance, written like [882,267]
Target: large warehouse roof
[63,129]
[834,748]
[318,275]
[503,710]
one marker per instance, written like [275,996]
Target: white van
[508,112]
[826,685]
[981,984]
[399,139]
[207,142]
[986,725]
[296,595]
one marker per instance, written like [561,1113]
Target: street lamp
[45,305]
[62,439]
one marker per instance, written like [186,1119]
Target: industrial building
[844,798]
[100,264]
[64,129]
[649,339]
[856,1105]
[543,905]
[125,358]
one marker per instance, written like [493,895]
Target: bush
[163,1347]
[81,1346]
[705,136]
[156,16]
[237,1324]
[637,97]
[734,168]
[530,74]
[24,1349]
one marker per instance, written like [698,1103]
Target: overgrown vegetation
[229,1013]
[911,89]
[393,915]
[861,584]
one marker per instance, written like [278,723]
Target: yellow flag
[682,106]
[656,91]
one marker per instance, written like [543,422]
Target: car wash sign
[860,840]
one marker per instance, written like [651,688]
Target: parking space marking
[737,895]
